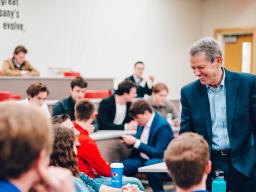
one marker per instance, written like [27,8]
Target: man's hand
[132,126]
[128,139]
[56,179]
[151,78]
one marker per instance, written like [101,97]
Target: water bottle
[219,184]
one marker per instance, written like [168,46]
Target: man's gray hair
[207,45]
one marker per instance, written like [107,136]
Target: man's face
[205,70]
[132,94]
[142,119]
[77,93]
[138,70]
[160,97]
[38,99]
[20,58]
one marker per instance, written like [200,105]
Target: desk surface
[110,134]
[155,168]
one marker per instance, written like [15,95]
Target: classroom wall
[228,14]
[103,38]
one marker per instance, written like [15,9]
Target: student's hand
[128,139]
[24,73]
[56,179]
[132,126]
[151,78]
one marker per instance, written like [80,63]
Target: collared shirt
[144,136]
[139,81]
[217,99]
[7,186]
[44,107]
[120,114]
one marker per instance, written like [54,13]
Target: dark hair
[138,62]
[186,158]
[58,119]
[84,109]
[24,133]
[35,88]
[79,82]
[139,107]
[19,49]
[159,87]
[125,87]
[63,154]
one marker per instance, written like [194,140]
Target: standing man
[66,105]
[144,85]
[18,65]
[221,106]
[151,140]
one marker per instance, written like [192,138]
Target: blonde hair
[24,133]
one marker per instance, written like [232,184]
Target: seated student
[66,105]
[37,94]
[144,85]
[113,111]
[64,155]
[152,138]
[26,140]
[90,160]
[17,65]
[159,101]
[188,161]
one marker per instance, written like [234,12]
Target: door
[238,52]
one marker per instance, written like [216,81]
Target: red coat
[90,160]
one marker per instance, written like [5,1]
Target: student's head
[160,92]
[206,60]
[187,159]
[78,88]
[84,110]
[64,149]
[65,121]
[127,89]
[141,111]
[139,69]
[26,140]
[37,93]
[19,54]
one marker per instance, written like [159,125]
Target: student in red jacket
[90,160]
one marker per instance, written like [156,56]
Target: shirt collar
[151,120]
[221,86]
[137,80]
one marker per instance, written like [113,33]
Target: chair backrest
[71,74]
[5,95]
[97,94]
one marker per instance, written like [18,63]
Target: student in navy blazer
[151,140]
[221,106]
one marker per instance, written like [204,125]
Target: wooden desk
[59,87]
[155,168]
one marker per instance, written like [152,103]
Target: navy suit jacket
[160,135]
[241,116]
